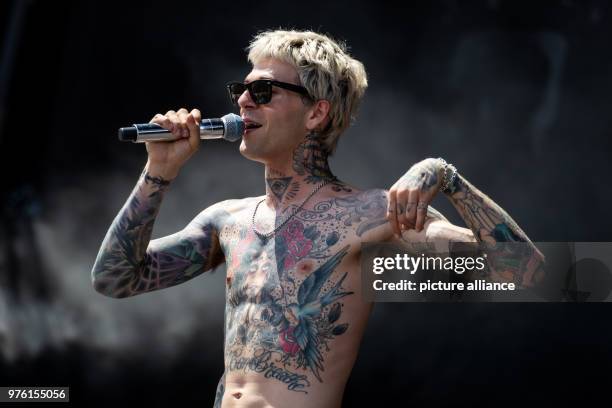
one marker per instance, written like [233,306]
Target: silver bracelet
[447,181]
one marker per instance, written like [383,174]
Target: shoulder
[225,211]
[357,196]
[236,204]
[362,209]
[359,202]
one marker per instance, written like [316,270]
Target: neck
[293,180]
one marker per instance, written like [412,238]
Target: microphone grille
[234,127]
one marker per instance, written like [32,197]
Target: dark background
[515,94]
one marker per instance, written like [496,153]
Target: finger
[192,126]
[176,126]
[163,121]
[157,118]
[392,213]
[402,199]
[182,115]
[421,211]
[410,209]
[196,115]
[194,132]
[407,225]
[186,126]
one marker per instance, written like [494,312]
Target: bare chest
[305,255]
[290,298]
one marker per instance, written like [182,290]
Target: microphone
[230,127]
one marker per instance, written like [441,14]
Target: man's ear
[318,115]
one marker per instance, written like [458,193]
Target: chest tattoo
[284,296]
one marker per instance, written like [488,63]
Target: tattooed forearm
[489,222]
[127,264]
[423,175]
[155,181]
[494,228]
[123,249]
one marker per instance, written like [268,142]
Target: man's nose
[245,100]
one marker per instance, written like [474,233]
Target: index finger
[194,131]
[421,212]
[163,121]
[196,115]
[392,212]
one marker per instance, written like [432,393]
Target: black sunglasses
[261,90]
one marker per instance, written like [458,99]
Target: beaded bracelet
[447,181]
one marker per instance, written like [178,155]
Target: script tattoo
[262,362]
[159,181]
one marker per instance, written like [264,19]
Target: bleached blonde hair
[324,68]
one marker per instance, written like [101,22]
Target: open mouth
[252,125]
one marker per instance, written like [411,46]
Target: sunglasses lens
[235,90]
[261,92]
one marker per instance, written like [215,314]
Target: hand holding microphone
[230,127]
[177,139]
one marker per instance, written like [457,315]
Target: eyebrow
[246,81]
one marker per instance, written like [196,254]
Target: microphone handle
[152,132]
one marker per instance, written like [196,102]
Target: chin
[261,153]
[250,152]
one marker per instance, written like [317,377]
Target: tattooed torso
[294,312]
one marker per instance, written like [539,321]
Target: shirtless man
[294,312]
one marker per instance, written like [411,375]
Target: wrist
[161,171]
[448,175]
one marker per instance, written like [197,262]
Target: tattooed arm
[128,264]
[493,227]
[488,224]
